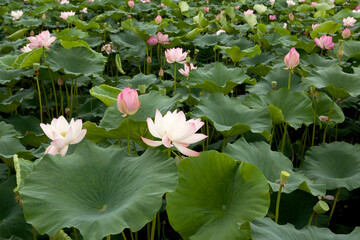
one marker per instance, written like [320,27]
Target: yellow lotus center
[63,134]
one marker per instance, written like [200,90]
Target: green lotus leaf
[22,168]
[314,60]
[201,20]
[233,118]
[28,22]
[344,13]
[82,25]
[7,130]
[18,34]
[42,9]
[107,94]
[138,79]
[71,34]
[236,54]
[295,107]
[351,50]
[251,20]
[264,229]
[335,164]
[76,61]
[338,83]
[217,78]
[4,172]
[10,77]
[9,104]
[324,102]
[271,164]
[140,29]
[26,60]
[209,40]
[325,27]
[98,191]
[281,77]
[12,222]
[72,44]
[131,45]
[215,195]
[324,6]
[7,61]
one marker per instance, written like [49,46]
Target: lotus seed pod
[142,88]
[284,176]
[321,207]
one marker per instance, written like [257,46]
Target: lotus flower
[325,42]
[16,14]
[220,31]
[152,41]
[84,10]
[26,48]
[292,59]
[163,38]
[108,48]
[248,12]
[131,4]
[65,15]
[128,102]
[349,21]
[63,134]
[206,9]
[64,2]
[187,69]
[346,33]
[272,17]
[272,2]
[41,40]
[237,7]
[290,3]
[175,55]
[314,26]
[313,4]
[158,19]
[174,130]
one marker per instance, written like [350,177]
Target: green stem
[177,155]
[289,79]
[334,205]
[158,225]
[278,203]
[76,98]
[62,101]
[34,232]
[108,237]
[207,134]
[284,138]
[169,152]
[153,228]
[47,106]
[174,78]
[131,234]
[75,233]
[327,122]
[41,111]
[128,134]
[315,119]
[72,98]
[136,236]
[123,235]
[148,230]
[311,217]
[53,86]
[272,134]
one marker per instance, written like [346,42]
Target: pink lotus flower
[291,16]
[158,19]
[325,42]
[291,59]
[41,40]
[301,0]
[163,5]
[16,14]
[64,2]
[108,48]
[313,4]
[349,21]
[314,26]
[324,118]
[175,55]
[346,33]
[220,31]
[187,69]
[174,130]
[272,17]
[63,134]
[163,38]
[65,15]
[131,4]
[290,3]
[237,7]
[128,102]
[152,41]
[90,1]
[248,12]
[206,9]
[26,48]
[357,8]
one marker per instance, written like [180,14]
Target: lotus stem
[122,233]
[131,234]
[53,85]
[45,97]
[272,134]
[128,134]
[41,111]
[158,225]
[75,233]
[72,98]
[174,78]
[62,101]
[177,155]
[311,217]
[278,203]
[148,230]
[314,126]
[207,134]
[334,205]
[34,232]
[136,236]
[76,97]
[153,228]
[289,79]
[284,138]
[327,122]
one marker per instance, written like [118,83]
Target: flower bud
[67,111]
[43,16]
[158,19]
[161,72]
[32,33]
[128,102]
[131,4]
[60,81]
[273,85]
[148,59]
[292,59]
[152,41]
[324,118]
[321,207]
[346,33]
[284,176]
[291,16]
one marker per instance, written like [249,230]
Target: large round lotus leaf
[338,83]
[295,107]
[219,78]
[131,46]
[265,229]
[215,195]
[336,165]
[76,61]
[323,106]
[12,220]
[98,191]
[232,118]
[271,164]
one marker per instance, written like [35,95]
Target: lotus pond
[202,120]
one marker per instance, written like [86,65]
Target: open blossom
[175,55]
[187,69]
[84,10]
[290,3]
[220,31]
[163,38]
[248,12]
[63,134]
[41,40]
[314,26]
[285,25]
[64,2]
[325,42]
[346,33]
[65,15]
[272,17]
[291,59]
[26,48]
[16,14]
[356,11]
[128,102]
[108,48]
[349,21]
[174,130]
[152,41]
[272,2]
[158,19]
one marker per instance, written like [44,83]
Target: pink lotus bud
[248,12]
[291,16]
[43,16]
[148,59]
[32,33]
[237,7]
[128,102]
[313,4]
[206,9]
[218,17]
[272,17]
[60,81]
[152,41]
[292,59]
[158,19]
[163,5]
[329,197]
[131,4]
[161,72]
[346,33]
[324,118]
